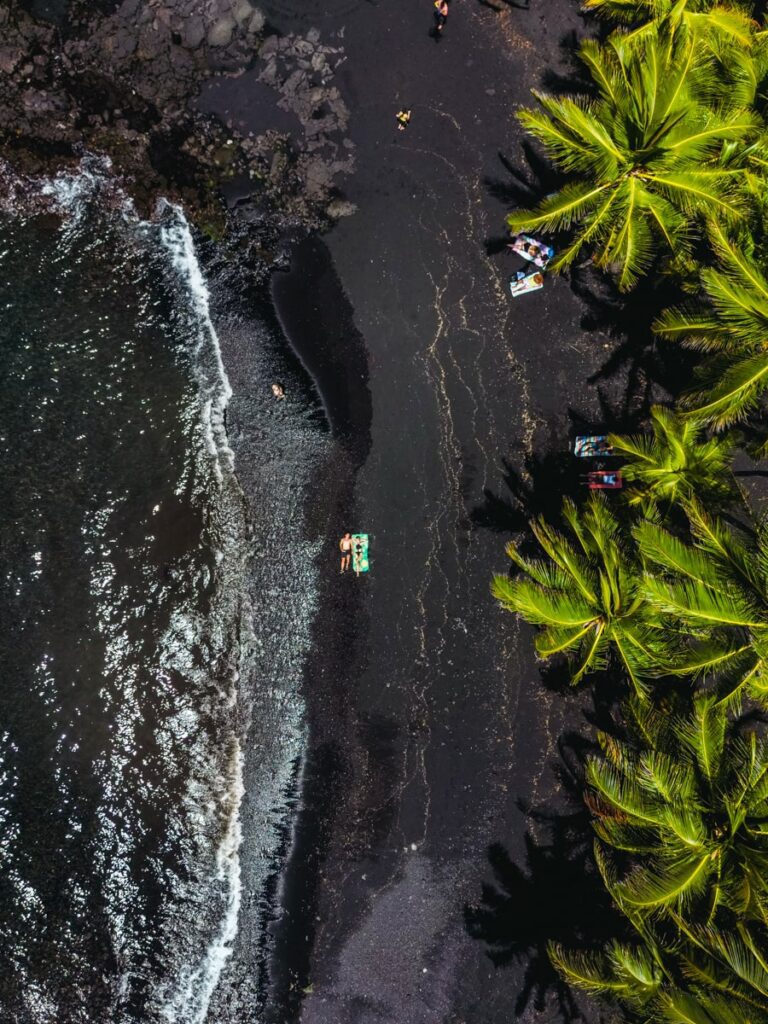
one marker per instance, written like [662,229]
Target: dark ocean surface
[145,670]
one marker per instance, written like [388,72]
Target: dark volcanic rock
[122,79]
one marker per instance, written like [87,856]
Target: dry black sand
[437,742]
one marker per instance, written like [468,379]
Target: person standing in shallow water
[345,546]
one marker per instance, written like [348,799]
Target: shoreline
[427,725]
[303,298]
[317,321]
[278,447]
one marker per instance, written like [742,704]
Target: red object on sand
[600,481]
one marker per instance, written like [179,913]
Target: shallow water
[131,650]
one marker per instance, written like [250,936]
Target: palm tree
[717,588]
[680,811]
[586,594]
[684,801]
[646,156]
[707,19]
[732,325]
[675,463]
[720,979]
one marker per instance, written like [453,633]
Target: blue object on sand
[602,481]
[360,552]
[589,445]
[521,283]
[533,250]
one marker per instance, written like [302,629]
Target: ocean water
[147,691]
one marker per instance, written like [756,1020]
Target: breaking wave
[157,649]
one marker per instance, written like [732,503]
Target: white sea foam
[194,722]
[215,388]
[73,193]
[195,986]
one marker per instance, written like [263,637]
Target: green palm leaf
[732,323]
[662,152]
[585,597]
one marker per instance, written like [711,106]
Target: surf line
[196,985]
[216,390]
[191,1001]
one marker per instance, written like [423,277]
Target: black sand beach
[434,849]
[433,734]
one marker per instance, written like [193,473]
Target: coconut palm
[675,462]
[684,802]
[726,22]
[585,595]
[717,587]
[646,155]
[732,326]
[718,979]
[680,811]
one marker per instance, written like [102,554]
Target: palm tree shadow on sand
[650,369]
[556,896]
[536,488]
[537,484]
[521,188]
[646,368]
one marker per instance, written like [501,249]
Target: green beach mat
[360,558]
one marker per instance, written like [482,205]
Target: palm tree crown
[680,809]
[647,152]
[705,18]
[675,462]
[685,803]
[586,595]
[717,588]
[732,325]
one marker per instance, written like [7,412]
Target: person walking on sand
[345,546]
[441,16]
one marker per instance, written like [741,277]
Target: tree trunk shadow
[556,896]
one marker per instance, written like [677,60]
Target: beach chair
[589,446]
[360,552]
[522,283]
[533,250]
[601,480]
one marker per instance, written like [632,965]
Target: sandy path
[430,720]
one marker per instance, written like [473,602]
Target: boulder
[278,166]
[221,32]
[192,32]
[317,176]
[128,11]
[294,81]
[152,42]
[269,46]
[269,75]
[9,59]
[241,11]
[257,23]
[341,208]
[124,45]
[43,102]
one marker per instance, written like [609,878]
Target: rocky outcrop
[121,79]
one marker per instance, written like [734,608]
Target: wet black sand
[433,731]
